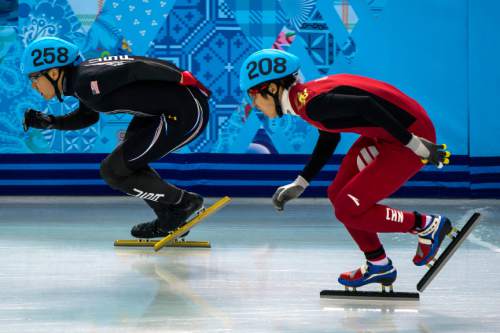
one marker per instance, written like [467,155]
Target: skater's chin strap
[54,83]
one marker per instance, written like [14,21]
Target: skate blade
[437,264]
[370,295]
[151,243]
[191,223]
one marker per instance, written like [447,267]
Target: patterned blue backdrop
[209,38]
[443,53]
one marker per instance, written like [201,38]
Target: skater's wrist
[417,146]
[301,182]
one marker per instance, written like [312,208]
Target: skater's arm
[325,146]
[337,111]
[81,118]
[349,111]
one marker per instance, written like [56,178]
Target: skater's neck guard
[286,107]
[69,81]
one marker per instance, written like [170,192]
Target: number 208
[265,66]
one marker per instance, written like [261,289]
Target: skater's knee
[347,208]
[332,192]
[342,215]
[107,174]
[113,171]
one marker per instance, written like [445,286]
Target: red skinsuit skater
[396,139]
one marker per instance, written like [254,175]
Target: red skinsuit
[375,166]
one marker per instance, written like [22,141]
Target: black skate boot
[149,230]
[156,228]
[170,217]
[178,214]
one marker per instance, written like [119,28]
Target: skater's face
[265,102]
[41,84]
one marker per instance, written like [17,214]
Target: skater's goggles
[258,89]
[35,76]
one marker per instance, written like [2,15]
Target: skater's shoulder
[125,63]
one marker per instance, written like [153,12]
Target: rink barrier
[240,175]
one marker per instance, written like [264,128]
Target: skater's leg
[137,180]
[368,242]
[356,205]
[378,267]
[147,140]
[144,183]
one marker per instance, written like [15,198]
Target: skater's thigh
[349,167]
[146,141]
[384,175]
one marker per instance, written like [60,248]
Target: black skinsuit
[170,109]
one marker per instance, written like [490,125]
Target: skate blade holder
[387,294]
[453,233]
[152,242]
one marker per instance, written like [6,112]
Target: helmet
[46,53]
[266,65]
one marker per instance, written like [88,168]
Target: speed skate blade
[369,295]
[448,252]
[191,223]
[151,243]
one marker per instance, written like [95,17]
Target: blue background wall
[442,53]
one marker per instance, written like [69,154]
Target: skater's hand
[429,152]
[37,119]
[288,192]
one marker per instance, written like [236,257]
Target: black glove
[430,152]
[37,119]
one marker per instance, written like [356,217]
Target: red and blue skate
[431,238]
[369,273]
[385,275]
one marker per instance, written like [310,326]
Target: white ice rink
[59,271]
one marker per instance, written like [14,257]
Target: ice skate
[430,239]
[172,237]
[369,273]
[178,214]
[385,275]
[157,228]
[458,237]
[148,230]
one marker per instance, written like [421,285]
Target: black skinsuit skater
[170,109]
